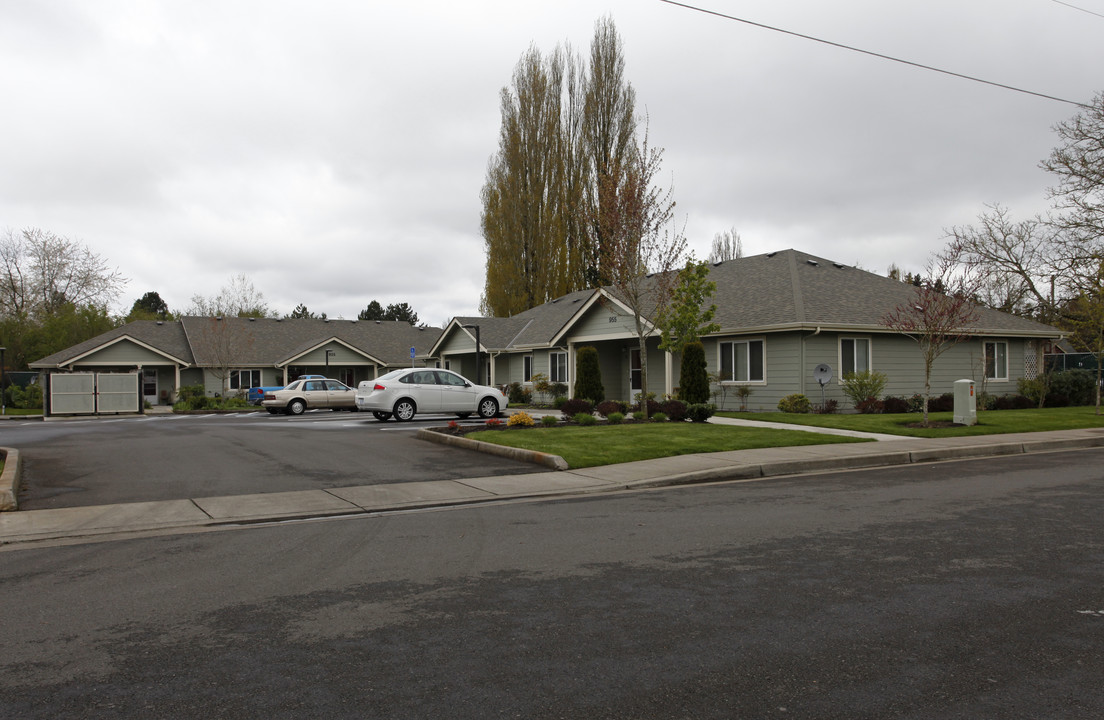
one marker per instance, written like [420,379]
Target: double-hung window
[996,360]
[244,379]
[854,355]
[557,367]
[742,360]
[527,369]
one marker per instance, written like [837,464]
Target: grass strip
[990,422]
[609,444]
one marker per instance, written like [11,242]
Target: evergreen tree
[694,378]
[588,376]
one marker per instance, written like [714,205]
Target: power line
[1090,12]
[874,54]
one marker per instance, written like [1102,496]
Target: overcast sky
[334,151]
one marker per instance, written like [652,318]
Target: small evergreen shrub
[943,403]
[574,406]
[549,421]
[659,417]
[584,418]
[615,418]
[1013,402]
[638,415]
[796,403]
[699,412]
[559,401]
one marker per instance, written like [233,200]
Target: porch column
[668,371]
[176,385]
[570,370]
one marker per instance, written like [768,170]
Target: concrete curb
[9,480]
[552,462]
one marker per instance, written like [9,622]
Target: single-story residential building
[231,355]
[781,315]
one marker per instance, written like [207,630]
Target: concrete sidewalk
[175,515]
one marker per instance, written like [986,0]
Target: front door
[149,386]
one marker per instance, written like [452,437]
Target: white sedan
[404,393]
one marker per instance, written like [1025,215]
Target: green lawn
[609,444]
[990,422]
[21,411]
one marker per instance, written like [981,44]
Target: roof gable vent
[814,263]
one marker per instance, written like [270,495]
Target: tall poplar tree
[565,133]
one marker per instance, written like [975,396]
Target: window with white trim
[996,360]
[527,369]
[557,367]
[742,360]
[854,355]
[244,379]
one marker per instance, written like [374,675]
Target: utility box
[965,403]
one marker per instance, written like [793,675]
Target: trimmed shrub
[699,412]
[638,415]
[830,406]
[588,375]
[653,406]
[1013,402]
[559,401]
[895,405]
[606,407]
[615,418]
[862,387]
[549,421]
[520,419]
[870,406]
[519,394]
[942,403]
[694,377]
[1072,387]
[659,417]
[796,403]
[584,418]
[574,406]
[675,410]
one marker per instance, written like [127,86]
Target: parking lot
[96,461]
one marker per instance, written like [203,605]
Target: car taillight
[377,386]
[269,396]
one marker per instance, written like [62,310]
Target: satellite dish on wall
[823,374]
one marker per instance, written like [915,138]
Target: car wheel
[488,408]
[464,415]
[296,407]
[381,416]
[405,409]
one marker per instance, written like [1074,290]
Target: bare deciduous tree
[937,319]
[727,245]
[237,299]
[642,248]
[40,272]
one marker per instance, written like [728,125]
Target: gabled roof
[165,337]
[776,291]
[791,289]
[260,341]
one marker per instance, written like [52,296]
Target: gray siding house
[781,314]
[230,355]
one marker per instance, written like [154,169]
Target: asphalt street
[169,457]
[968,589]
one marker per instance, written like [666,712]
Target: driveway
[103,460]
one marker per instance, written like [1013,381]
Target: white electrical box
[965,403]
